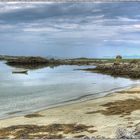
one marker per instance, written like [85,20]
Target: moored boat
[20,71]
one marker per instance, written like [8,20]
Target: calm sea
[47,87]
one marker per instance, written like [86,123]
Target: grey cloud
[69,29]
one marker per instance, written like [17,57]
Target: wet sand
[94,118]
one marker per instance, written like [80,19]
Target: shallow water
[43,88]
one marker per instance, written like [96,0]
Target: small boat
[24,71]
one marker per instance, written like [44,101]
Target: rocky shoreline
[127,70]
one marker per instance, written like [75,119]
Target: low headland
[33,62]
[114,116]
[127,70]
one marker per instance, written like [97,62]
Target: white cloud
[137,26]
[7,26]
[127,19]
[13,6]
[41,29]
[124,41]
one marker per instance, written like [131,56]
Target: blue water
[46,87]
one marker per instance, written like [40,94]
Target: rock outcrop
[28,60]
[130,70]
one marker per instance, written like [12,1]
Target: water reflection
[47,86]
[32,66]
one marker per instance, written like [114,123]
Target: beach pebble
[123,133]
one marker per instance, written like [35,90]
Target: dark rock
[28,60]
[122,69]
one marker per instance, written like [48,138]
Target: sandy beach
[94,118]
[69,69]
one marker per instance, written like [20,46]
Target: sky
[70,30]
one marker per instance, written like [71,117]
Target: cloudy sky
[70,29]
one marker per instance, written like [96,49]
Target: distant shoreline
[128,68]
[32,62]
